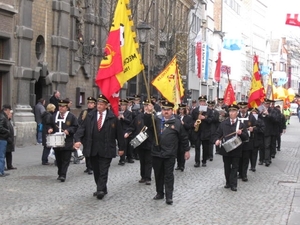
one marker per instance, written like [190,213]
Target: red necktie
[99,122]
[232,122]
[62,116]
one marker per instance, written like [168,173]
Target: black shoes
[158,197]
[130,161]
[252,169]
[62,179]
[245,179]
[11,168]
[227,186]
[88,171]
[179,168]
[233,188]
[101,194]
[142,180]
[148,182]
[260,163]
[169,201]
[46,164]
[121,163]
[197,164]
[203,164]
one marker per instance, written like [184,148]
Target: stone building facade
[48,45]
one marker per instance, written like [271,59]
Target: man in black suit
[55,99]
[102,128]
[125,118]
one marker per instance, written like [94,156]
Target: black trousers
[270,147]
[211,151]
[197,150]
[88,163]
[244,163]
[231,165]
[253,157]
[145,163]
[180,159]
[62,161]
[45,154]
[8,156]
[128,152]
[164,175]
[100,167]
[205,150]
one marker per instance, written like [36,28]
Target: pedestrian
[248,120]
[101,128]
[64,124]
[187,123]
[47,123]
[228,129]
[55,99]
[125,118]
[11,139]
[91,104]
[4,136]
[144,149]
[39,109]
[170,135]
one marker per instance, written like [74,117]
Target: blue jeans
[3,144]
[39,134]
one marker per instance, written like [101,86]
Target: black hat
[63,102]
[243,105]
[254,110]
[202,98]
[146,102]
[211,102]
[162,99]
[102,98]
[167,105]
[182,106]
[220,99]
[6,106]
[153,97]
[123,101]
[91,99]
[266,100]
[194,101]
[136,97]
[233,107]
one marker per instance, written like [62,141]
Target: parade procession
[148,112]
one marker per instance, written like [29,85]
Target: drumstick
[232,133]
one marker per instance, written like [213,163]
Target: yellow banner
[132,63]
[169,83]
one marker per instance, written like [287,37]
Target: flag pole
[149,99]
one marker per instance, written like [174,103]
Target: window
[162,44]
[40,47]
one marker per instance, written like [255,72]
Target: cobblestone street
[32,195]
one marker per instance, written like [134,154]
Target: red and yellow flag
[257,91]
[229,95]
[122,60]
[169,83]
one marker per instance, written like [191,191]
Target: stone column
[23,116]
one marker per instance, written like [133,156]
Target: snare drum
[55,140]
[140,138]
[232,143]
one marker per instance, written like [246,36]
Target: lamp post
[87,50]
[143,30]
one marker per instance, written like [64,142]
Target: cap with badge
[202,98]
[167,105]
[233,107]
[243,105]
[153,98]
[137,97]
[210,103]
[91,100]
[63,102]
[254,110]
[123,101]
[146,102]
[220,99]
[194,101]
[266,100]
[182,106]
[102,98]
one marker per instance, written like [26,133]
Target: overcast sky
[277,17]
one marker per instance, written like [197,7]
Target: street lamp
[86,50]
[143,30]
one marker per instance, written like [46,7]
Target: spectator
[11,139]
[55,99]
[39,109]
[4,135]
